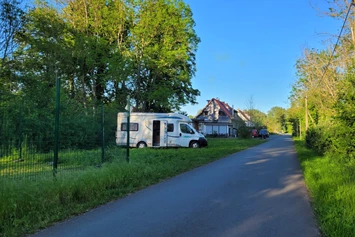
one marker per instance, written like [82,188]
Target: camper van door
[186,134]
[164,133]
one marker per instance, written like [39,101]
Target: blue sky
[249,48]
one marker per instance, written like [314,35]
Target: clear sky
[249,48]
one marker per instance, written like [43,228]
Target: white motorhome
[158,130]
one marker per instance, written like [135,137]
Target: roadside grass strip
[27,206]
[331,184]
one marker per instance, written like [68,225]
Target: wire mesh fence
[86,138]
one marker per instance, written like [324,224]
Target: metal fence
[34,144]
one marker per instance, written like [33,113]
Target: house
[245,117]
[219,118]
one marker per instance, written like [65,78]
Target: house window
[222,113]
[170,127]
[205,112]
[132,127]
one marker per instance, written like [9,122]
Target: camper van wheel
[141,145]
[194,144]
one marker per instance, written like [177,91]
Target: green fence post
[56,127]
[21,129]
[128,127]
[103,133]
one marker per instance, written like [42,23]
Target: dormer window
[221,113]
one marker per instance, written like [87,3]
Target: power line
[336,44]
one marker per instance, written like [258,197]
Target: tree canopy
[103,51]
[326,83]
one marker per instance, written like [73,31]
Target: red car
[254,133]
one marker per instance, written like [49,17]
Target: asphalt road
[256,192]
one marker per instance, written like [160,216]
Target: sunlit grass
[331,184]
[27,206]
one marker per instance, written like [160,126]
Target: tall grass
[28,206]
[331,184]
[34,164]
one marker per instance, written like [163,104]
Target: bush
[319,139]
[244,132]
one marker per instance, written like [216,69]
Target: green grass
[331,184]
[33,165]
[28,206]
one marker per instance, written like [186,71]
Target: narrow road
[256,192]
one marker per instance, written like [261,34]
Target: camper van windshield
[185,128]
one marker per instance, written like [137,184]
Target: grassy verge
[331,184]
[28,206]
[35,164]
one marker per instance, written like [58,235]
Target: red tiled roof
[209,102]
[225,107]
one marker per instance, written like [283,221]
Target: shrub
[319,139]
[244,132]
[344,141]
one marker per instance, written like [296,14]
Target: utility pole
[306,112]
[300,130]
[56,123]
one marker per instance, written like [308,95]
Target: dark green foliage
[244,132]
[12,18]
[99,58]
[319,139]
[78,128]
[110,53]
[337,137]
[344,135]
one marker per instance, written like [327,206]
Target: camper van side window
[170,127]
[132,126]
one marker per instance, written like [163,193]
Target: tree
[12,18]
[101,51]
[257,117]
[98,30]
[109,49]
[11,22]
[319,74]
[277,119]
[163,47]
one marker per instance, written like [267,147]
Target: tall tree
[104,50]
[11,22]
[277,119]
[12,18]
[319,74]
[163,43]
